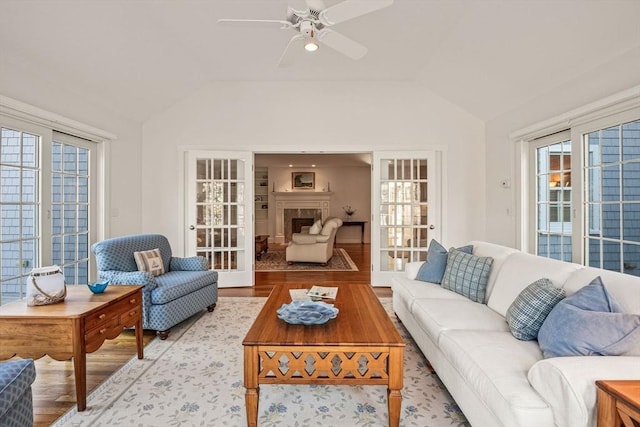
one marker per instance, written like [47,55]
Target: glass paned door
[404,200]
[20,206]
[72,190]
[219,213]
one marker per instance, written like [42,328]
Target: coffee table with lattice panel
[359,347]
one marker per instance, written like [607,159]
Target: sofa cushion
[176,284]
[305,239]
[590,322]
[494,365]
[527,313]
[519,270]
[433,268]
[330,225]
[316,227]
[499,254]
[438,315]
[467,274]
[150,261]
[623,287]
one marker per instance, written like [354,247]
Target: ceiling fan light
[311,45]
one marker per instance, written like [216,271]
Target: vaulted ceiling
[137,58]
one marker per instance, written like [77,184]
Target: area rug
[195,378]
[274,260]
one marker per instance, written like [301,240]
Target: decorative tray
[307,312]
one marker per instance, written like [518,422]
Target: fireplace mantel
[301,194]
[316,200]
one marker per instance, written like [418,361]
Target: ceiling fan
[312,25]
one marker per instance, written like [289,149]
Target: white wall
[299,116]
[621,73]
[350,186]
[124,170]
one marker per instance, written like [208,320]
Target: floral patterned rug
[275,260]
[195,378]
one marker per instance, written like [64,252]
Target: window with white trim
[585,193]
[47,190]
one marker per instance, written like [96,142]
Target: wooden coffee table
[72,328]
[362,331]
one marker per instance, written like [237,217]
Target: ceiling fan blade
[286,60]
[342,44]
[350,9]
[254,22]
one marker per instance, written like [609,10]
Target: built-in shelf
[261,200]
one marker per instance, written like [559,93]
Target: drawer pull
[102,331]
[132,300]
[102,316]
[133,313]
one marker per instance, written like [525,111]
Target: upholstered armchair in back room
[310,246]
[174,288]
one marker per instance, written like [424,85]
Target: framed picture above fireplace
[303,180]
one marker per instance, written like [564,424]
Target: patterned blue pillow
[467,274]
[590,323]
[528,311]
[433,268]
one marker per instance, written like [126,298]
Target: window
[47,191]
[612,198]
[585,194]
[553,199]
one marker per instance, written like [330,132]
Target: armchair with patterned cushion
[16,401]
[309,247]
[174,288]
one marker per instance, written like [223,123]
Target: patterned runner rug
[195,378]
[274,260]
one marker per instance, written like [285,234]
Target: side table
[71,329]
[262,245]
[618,403]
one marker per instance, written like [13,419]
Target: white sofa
[309,247]
[496,379]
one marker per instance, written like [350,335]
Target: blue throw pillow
[528,311]
[467,274]
[433,268]
[590,323]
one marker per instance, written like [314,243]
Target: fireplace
[295,219]
[300,205]
[298,223]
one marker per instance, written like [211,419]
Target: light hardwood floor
[54,387]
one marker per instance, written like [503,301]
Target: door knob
[192,227]
[432,227]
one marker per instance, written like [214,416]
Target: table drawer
[130,317]
[111,312]
[94,338]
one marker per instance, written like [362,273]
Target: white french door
[219,214]
[405,210]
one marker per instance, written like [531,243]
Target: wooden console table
[72,328]
[360,224]
[618,403]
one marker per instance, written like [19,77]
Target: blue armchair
[16,401]
[186,287]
